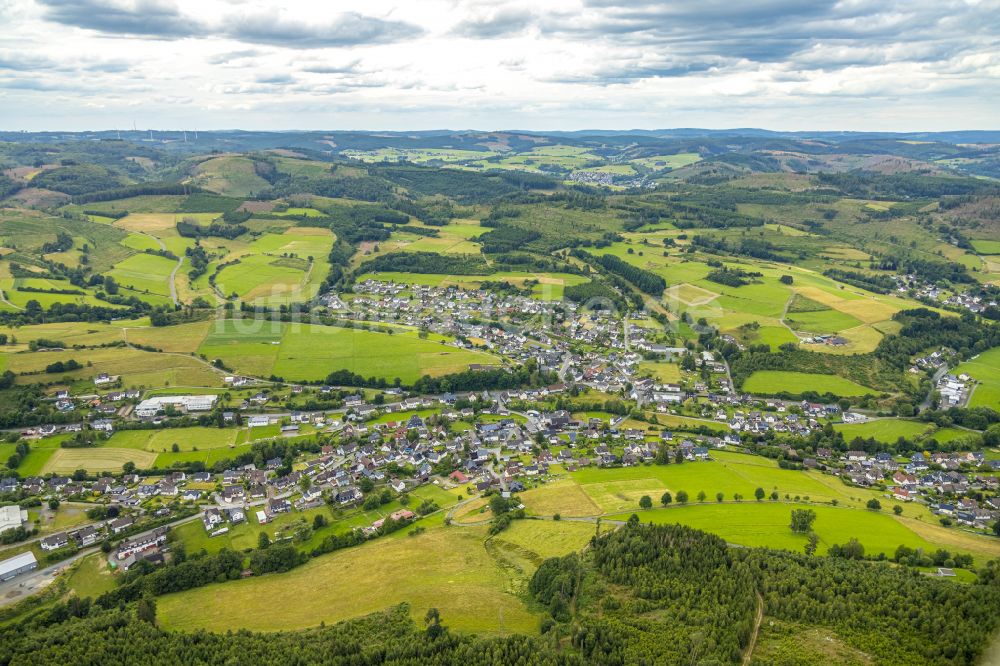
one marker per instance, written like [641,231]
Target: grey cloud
[352,67]
[502,23]
[275,79]
[230,56]
[21,63]
[109,67]
[16,62]
[146,18]
[163,20]
[348,29]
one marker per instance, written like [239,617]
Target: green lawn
[770,382]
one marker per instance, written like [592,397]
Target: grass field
[767,524]
[146,276]
[986,246]
[98,459]
[266,279]
[92,578]
[180,338]
[229,176]
[985,369]
[667,161]
[187,439]
[563,497]
[665,373]
[136,368]
[884,430]
[770,382]
[446,568]
[72,333]
[308,352]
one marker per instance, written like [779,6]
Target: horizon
[513,130]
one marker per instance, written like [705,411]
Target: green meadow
[311,352]
[985,369]
[771,382]
[751,523]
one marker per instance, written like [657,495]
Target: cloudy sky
[537,64]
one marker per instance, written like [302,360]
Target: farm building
[18,565]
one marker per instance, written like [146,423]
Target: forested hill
[639,595]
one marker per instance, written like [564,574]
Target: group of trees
[427,262]
[696,599]
[645,281]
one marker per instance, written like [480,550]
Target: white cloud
[561,64]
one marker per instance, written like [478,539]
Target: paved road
[929,398]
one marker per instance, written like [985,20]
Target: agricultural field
[772,382]
[451,569]
[136,368]
[983,246]
[96,460]
[854,314]
[229,176]
[278,268]
[890,429]
[309,352]
[885,430]
[146,276]
[985,369]
[750,523]
[658,162]
[616,494]
[187,439]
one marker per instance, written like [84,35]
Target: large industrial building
[18,565]
[182,403]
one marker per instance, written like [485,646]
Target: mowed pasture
[884,430]
[96,459]
[186,439]
[146,276]
[985,369]
[278,268]
[445,568]
[311,352]
[136,368]
[983,246]
[616,493]
[179,338]
[71,333]
[773,382]
[766,524]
